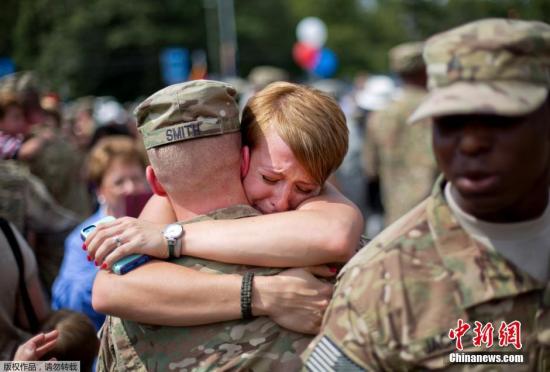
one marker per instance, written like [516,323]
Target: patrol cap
[491,66]
[185,111]
[19,82]
[407,57]
[262,76]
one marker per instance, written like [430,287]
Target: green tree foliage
[103,47]
[112,47]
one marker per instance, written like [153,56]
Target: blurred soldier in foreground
[25,201]
[55,162]
[467,269]
[398,155]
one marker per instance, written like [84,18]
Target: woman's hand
[111,241]
[36,347]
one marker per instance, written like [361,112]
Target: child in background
[77,340]
[14,127]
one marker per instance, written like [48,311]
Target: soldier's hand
[294,299]
[111,241]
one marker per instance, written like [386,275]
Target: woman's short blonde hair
[109,149]
[309,121]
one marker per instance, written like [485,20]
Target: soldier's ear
[154,182]
[245,161]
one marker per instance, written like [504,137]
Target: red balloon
[305,55]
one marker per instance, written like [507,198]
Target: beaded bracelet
[246,295]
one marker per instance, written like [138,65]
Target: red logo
[508,334]
[458,332]
[483,334]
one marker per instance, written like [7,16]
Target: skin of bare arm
[170,289]
[322,229]
[158,210]
[179,296]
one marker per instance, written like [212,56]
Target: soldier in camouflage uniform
[174,120]
[25,201]
[478,248]
[258,344]
[397,154]
[57,162]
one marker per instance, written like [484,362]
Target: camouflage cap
[491,66]
[406,58]
[261,76]
[19,82]
[189,110]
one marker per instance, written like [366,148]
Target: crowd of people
[290,226]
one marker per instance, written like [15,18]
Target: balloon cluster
[309,52]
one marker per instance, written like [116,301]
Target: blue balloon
[327,63]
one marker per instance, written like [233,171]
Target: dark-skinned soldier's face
[499,165]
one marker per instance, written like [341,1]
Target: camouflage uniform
[258,344]
[397,300]
[25,201]
[399,154]
[59,165]
[176,113]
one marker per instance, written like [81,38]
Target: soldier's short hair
[194,110]
[309,121]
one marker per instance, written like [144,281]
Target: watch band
[173,242]
[178,246]
[171,247]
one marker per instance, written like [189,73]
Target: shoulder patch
[327,357]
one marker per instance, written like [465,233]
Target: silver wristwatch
[173,234]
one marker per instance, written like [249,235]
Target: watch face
[173,231]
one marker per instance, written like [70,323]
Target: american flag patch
[327,357]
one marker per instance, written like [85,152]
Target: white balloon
[312,31]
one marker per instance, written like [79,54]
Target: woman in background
[116,169]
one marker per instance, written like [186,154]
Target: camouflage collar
[481,274]
[233,212]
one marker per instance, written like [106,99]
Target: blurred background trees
[112,47]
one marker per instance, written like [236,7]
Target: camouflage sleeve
[105,359]
[355,334]
[370,148]
[344,343]
[43,213]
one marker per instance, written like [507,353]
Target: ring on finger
[117,241]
